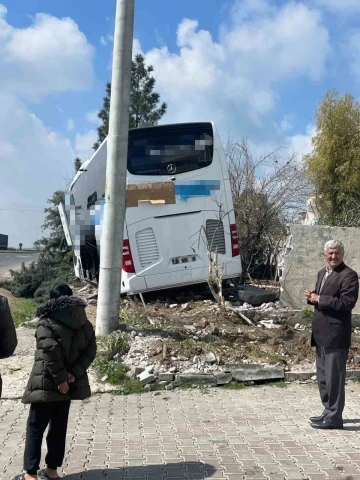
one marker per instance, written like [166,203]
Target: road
[13,261]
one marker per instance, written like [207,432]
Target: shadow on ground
[174,471]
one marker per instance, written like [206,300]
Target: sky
[257,68]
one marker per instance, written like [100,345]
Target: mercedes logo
[171,168]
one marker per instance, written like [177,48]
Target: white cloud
[92,117]
[352,51]
[34,163]
[301,143]
[235,81]
[49,56]
[286,124]
[84,143]
[70,125]
[106,39]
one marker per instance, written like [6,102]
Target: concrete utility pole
[108,308]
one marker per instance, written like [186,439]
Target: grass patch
[117,374]
[110,345]
[22,310]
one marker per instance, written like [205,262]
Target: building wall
[302,258]
[4,239]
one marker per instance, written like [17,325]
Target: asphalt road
[13,261]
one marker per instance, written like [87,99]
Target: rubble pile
[188,338]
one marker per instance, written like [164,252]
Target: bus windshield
[170,149]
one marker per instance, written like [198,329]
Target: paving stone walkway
[257,433]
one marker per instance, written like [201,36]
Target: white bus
[179,206]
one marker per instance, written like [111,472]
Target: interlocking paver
[249,434]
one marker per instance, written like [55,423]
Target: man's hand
[314,298]
[71,378]
[308,294]
[63,388]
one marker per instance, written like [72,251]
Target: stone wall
[303,257]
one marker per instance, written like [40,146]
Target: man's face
[333,257]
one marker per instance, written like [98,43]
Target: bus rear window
[170,150]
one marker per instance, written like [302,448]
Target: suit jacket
[331,325]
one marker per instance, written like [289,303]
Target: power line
[18,210]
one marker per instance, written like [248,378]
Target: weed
[22,310]
[307,313]
[115,372]
[233,386]
[130,387]
[112,344]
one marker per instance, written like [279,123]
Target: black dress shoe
[326,425]
[318,419]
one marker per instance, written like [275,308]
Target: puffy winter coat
[65,343]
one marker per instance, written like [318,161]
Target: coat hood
[70,311]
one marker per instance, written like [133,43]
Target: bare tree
[268,192]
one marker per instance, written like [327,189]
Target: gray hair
[334,244]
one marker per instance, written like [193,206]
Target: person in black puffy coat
[65,348]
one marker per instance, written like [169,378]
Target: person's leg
[335,372]
[56,438]
[38,420]
[321,378]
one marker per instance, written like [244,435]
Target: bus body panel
[168,242]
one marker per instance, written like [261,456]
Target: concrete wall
[303,257]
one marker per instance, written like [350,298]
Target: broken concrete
[254,372]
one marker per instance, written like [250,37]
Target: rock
[185,306]
[212,329]
[196,379]
[243,372]
[146,377]
[195,337]
[170,386]
[222,378]
[104,378]
[173,305]
[173,369]
[268,324]
[196,359]
[137,370]
[357,360]
[182,358]
[149,368]
[190,328]
[254,295]
[117,357]
[204,322]
[166,377]
[150,386]
[163,383]
[313,378]
[210,357]
[92,302]
[133,334]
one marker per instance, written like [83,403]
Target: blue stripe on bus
[196,188]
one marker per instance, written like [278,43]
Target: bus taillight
[127,260]
[234,241]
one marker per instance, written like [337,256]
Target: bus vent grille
[146,247]
[215,236]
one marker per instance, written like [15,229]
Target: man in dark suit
[335,295]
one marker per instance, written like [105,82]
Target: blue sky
[258,68]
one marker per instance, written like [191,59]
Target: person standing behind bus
[8,338]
